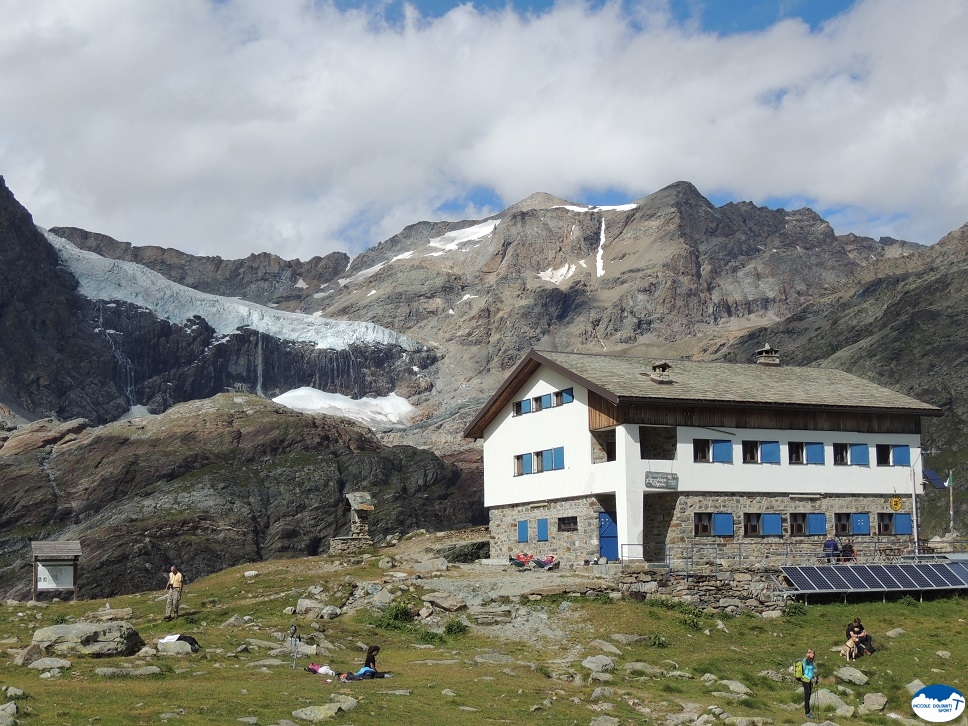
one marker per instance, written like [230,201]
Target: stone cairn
[359,505]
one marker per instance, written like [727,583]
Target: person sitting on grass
[859,634]
[368,670]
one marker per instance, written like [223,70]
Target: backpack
[798,670]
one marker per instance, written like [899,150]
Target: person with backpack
[805,671]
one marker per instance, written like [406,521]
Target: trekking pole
[294,641]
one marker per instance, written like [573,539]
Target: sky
[300,127]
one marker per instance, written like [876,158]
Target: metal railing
[714,556]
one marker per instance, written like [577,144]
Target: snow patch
[600,257]
[135,412]
[556,276]
[103,279]
[607,208]
[371,292]
[301,284]
[392,409]
[467,296]
[452,240]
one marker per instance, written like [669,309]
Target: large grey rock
[874,702]
[29,654]
[125,672]
[46,664]
[604,646]
[96,639]
[737,687]
[438,564]
[598,663]
[445,600]
[314,714]
[174,647]
[851,675]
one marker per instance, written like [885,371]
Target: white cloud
[242,126]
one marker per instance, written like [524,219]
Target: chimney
[767,356]
[660,372]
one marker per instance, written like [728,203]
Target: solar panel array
[879,578]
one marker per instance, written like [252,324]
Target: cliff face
[207,485]
[67,356]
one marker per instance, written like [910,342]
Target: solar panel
[849,576]
[903,575]
[884,577]
[870,580]
[915,573]
[797,578]
[833,574]
[934,577]
[960,569]
[950,578]
[816,578]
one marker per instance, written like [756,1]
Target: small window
[522,407]
[762,525]
[805,524]
[842,524]
[701,450]
[814,452]
[522,530]
[567,524]
[709,524]
[795,449]
[751,452]
[894,523]
[840,455]
[565,396]
[883,454]
[523,464]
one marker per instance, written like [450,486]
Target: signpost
[661,480]
[55,565]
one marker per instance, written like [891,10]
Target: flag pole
[951,504]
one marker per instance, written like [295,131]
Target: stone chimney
[767,356]
[660,373]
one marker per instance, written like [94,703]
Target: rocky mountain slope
[670,272]
[74,346]
[209,484]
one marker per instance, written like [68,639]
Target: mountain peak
[538,200]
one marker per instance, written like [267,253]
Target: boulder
[174,647]
[29,654]
[46,664]
[445,601]
[851,675]
[116,638]
[435,565]
[314,714]
[598,663]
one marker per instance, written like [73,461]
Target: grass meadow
[215,686]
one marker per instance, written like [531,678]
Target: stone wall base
[349,545]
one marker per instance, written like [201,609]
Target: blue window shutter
[817,523]
[522,530]
[722,524]
[526,467]
[547,460]
[558,457]
[860,523]
[814,452]
[902,524]
[723,451]
[542,530]
[902,455]
[769,452]
[526,405]
[771,524]
[568,395]
[547,400]
[860,455]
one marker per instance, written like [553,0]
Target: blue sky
[304,126]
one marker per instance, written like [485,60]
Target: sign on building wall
[661,480]
[55,576]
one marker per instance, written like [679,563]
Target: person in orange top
[175,584]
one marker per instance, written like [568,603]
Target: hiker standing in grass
[174,588]
[806,671]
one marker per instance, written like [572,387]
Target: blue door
[607,536]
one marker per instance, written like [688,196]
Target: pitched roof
[626,380]
[55,549]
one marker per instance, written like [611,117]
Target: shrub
[455,627]
[794,609]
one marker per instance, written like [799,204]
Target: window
[894,523]
[539,461]
[567,524]
[795,449]
[546,400]
[712,450]
[522,407]
[542,530]
[893,455]
[713,524]
[808,524]
[603,446]
[841,524]
[840,455]
[522,530]
[814,452]
[852,454]
[761,452]
[751,452]
[762,525]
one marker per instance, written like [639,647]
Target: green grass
[216,687]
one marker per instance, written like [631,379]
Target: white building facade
[605,458]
